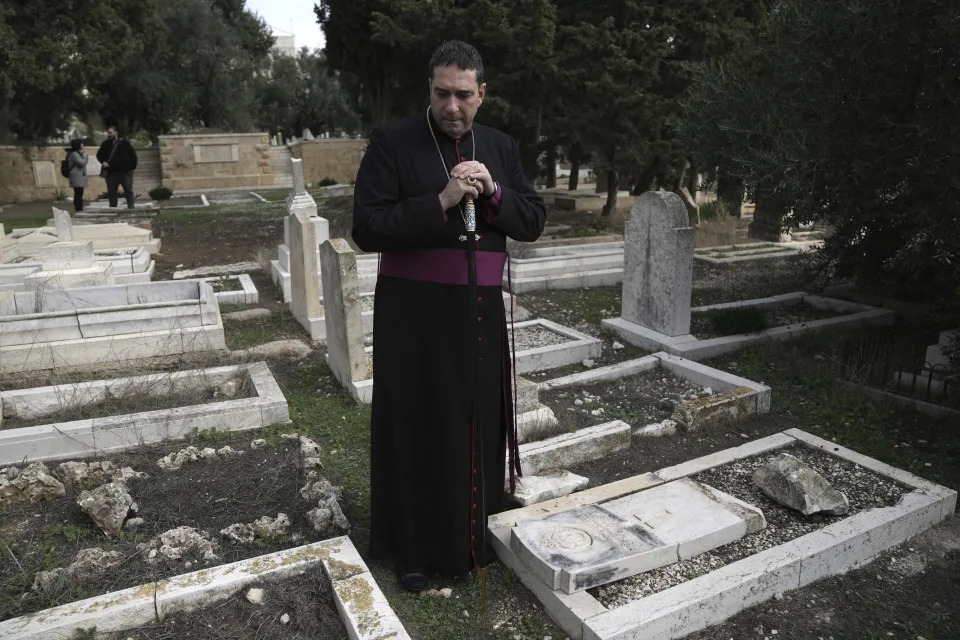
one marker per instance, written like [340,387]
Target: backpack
[65,167]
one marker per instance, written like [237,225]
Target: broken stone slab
[547,485]
[31,485]
[657,429]
[108,506]
[571,449]
[716,409]
[537,424]
[795,484]
[592,545]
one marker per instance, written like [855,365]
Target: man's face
[455,97]
[112,133]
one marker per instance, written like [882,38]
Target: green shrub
[716,210]
[326,182]
[160,193]
[59,195]
[728,322]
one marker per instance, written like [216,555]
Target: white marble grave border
[248,293]
[96,436]
[364,609]
[755,252]
[217,270]
[756,400]
[714,597]
[577,348]
[566,267]
[688,346]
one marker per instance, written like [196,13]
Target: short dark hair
[75,144]
[459,53]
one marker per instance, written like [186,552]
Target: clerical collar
[437,127]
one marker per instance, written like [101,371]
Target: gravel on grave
[702,327]
[207,494]
[300,606]
[864,489]
[534,336]
[638,400]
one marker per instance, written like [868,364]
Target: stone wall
[335,158]
[33,173]
[216,161]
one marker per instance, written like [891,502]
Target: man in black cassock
[442,390]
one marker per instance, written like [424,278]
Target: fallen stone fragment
[285,618]
[133,524]
[108,506]
[229,388]
[208,453]
[259,443]
[30,485]
[267,527]
[329,520]
[228,452]
[238,533]
[657,429]
[247,314]
[255,596]
[295,349]
[290,436]
[177,543]
[88,563]
[546,485]
[439,593]
[309,448]
[794,484]
[173,461]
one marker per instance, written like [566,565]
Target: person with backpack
[76,170]
[119,160]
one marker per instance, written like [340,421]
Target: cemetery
[733,352]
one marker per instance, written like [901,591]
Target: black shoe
[414,580]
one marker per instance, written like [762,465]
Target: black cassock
[424,510]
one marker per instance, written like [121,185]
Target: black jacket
[124,158]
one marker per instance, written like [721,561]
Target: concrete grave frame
[96,436]
[247,295]
[714,597]
[81,327]
[364,609]
[579,348]
[754,252]
[688,346]
[130,266]
[566,267]
[733,397]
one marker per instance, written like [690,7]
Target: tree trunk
[730,190]
[551,167]
[767,218]
[646,180]
[574,171]
[613,180]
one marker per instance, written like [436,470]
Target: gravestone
[341,286]
[588,546]
[69,265]
[304,286]
[299,200]
[658,264]
[64,225]
[307,134]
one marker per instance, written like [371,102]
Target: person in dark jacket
[77,159]
[119,159]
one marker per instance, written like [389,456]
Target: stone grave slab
[345,351]
[595,544]
[709,599]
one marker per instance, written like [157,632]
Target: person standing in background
[119,160]
[77,159]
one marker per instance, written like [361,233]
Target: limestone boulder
[179,543]
[88,563]
[327,518]
[795,484]
[108,506]
[173,461]
[30,485]
[83,475]
[239,533]
[267,527]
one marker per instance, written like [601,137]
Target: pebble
[588,363]
[258,443]
[285,618]
[617,346]
[255,596]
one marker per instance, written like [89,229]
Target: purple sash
[443,266]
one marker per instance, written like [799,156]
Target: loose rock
[30,485]
[795,484]
[108,506]
[259,443]
[255,596]
[177,543]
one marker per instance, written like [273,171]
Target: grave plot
[656,394]
[92,418]
[234,289]
[807,314]
[753,251]
[541,344]
[571,266]
[320,590]
[881,506]
[136,520]
[80,327]
[130,266]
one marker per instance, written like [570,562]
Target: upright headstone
[341,306]
[299,200]
[304,286]
[658,264]
[307,134]
[64,225]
